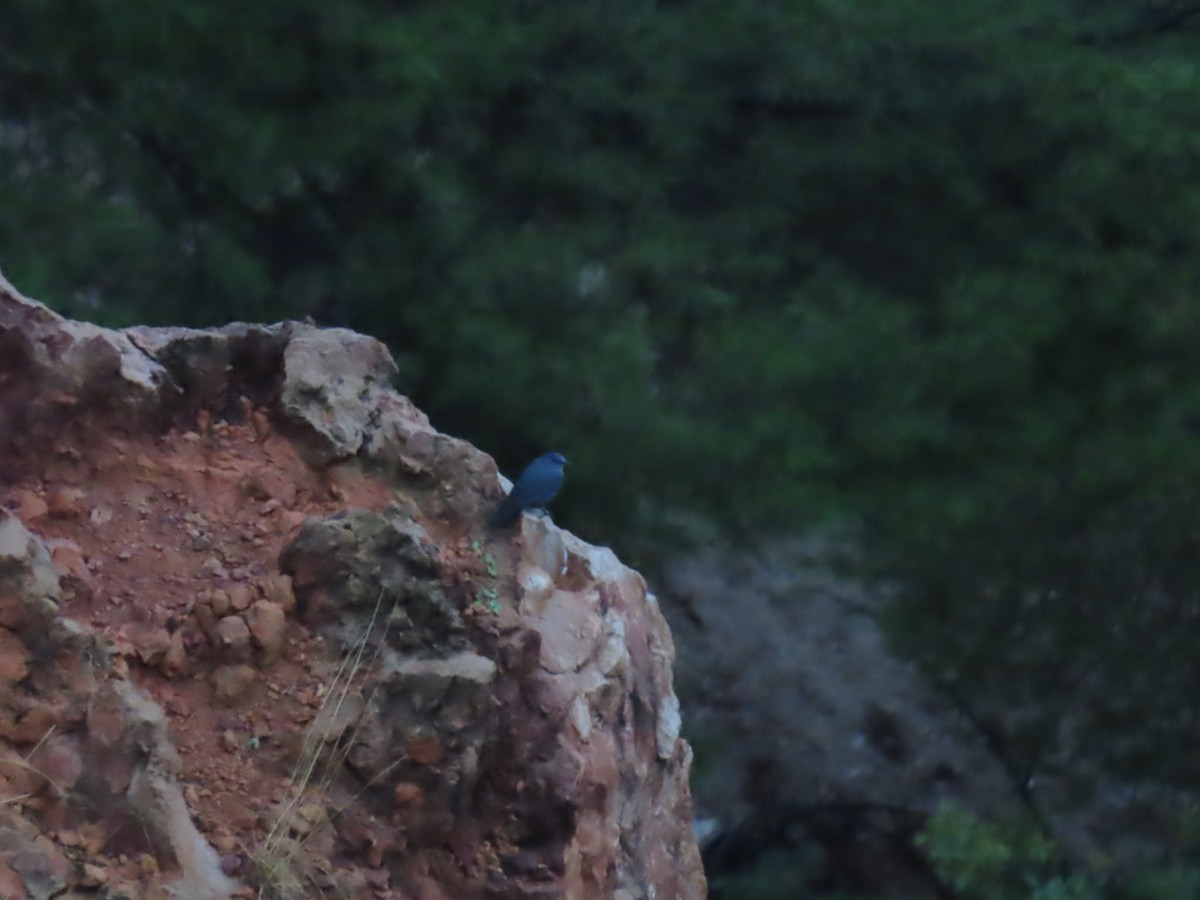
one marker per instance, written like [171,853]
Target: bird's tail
[505,513]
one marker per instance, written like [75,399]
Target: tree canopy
[924,269]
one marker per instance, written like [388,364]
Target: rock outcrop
[254,636]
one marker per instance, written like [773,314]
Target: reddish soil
[146,533]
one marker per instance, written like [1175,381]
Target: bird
[535,488]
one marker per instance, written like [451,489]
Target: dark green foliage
[985,861]
[776,876]
[981,860]
[924,269]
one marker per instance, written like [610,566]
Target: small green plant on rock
[487,598]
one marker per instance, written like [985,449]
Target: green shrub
[984,860]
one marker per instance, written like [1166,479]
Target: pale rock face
[250,508]
[333,380]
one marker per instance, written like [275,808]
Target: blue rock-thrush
[536,487]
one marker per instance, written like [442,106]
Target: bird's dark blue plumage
[536,487]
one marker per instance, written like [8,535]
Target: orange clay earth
[159,540]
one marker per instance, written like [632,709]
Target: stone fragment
[69,560]
[231,683]
[93,876]
[267,622]
[14,659]
[232,863]
[291,519]
[425,750]
[66,503]
[278,589]
[331,380]
[174,662]
[233,638]
[240,596]
[11,884]
[150,643]
[407,794]
[220,603]
[30,507]
[58,762]
[43,869]
[207,620]
[35,724]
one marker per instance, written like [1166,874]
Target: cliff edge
[256,640]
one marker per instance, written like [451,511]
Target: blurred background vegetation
[921,272]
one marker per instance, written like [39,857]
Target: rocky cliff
[255,639]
